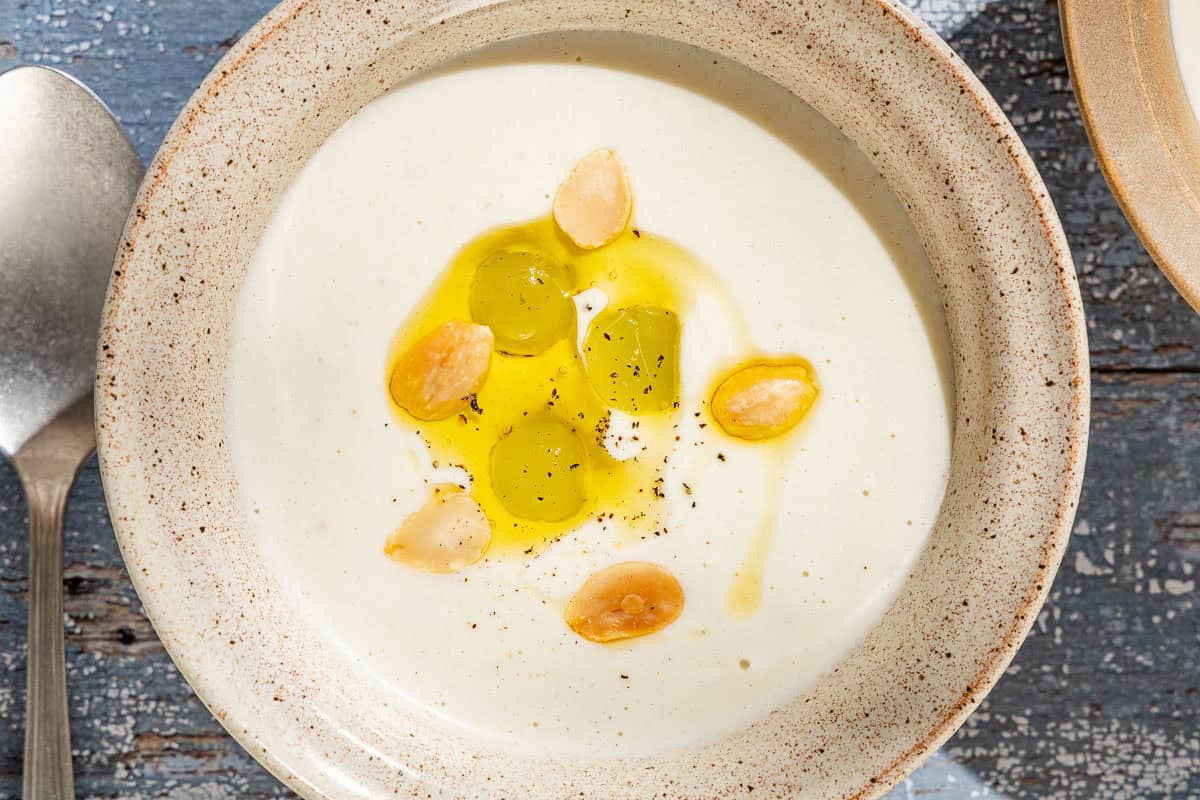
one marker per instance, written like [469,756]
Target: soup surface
[1185,29]
[786,554]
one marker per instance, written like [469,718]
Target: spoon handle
[47,733]
[47,464]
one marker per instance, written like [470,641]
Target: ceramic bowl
[297,705]
[1141,125]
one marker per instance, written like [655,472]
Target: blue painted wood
[1103,700]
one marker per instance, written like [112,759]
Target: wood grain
[1103,700]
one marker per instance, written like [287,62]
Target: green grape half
[632,358]
[523,296]
[538,470]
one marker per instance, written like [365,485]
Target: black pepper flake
[720,456]
[475,404]
[637,234]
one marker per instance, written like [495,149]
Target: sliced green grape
[523,297]
[632,358]
[538,470]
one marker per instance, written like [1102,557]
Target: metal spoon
[68,177]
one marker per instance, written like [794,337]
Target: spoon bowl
[70,176]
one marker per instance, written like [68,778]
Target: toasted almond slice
[764,400]
[448,533]
[593,204]
[629,599]
[437,376]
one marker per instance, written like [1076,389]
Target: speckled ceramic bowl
[1141,125]
[1020,361]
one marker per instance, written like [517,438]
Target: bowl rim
[1121,57]
[1054,541]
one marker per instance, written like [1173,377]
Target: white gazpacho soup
[592,393]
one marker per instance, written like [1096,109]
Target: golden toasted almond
[765,400]
[630,599]
[446,534]
[593,204]
[437,376]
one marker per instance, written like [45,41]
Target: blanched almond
[437,376]
[593,204]
[764,400]
[630,599]
[446,534]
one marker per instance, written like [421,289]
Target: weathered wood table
[1103,700]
